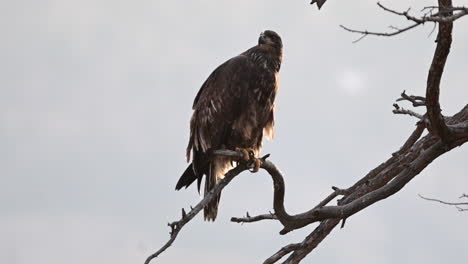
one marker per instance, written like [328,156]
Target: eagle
[233,109]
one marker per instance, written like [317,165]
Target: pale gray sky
[95,101]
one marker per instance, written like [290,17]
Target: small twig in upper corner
[442,16]
[405,13]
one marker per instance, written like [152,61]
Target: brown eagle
[233,110]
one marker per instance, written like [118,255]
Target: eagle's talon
[248,154]
[251,153]
[250,159]
[257,163]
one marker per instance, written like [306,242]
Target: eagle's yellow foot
[248,154]
[256,165]
[250,158]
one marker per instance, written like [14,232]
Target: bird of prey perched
[233,110]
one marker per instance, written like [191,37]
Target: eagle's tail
[194,171]
[218,168]
[187,178]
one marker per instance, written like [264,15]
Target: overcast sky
[95,102]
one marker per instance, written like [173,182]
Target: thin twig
[405,13]
[250,219]
[402,111]
[366,33]
[457,205]
[415,100]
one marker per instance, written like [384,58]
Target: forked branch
[380,183]
[446,15]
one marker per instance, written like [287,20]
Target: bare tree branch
[415,100]
[176,226]
[383,181]
[444,40]
[405,13]
[445,18]
[366,33]
[402,111]
[425,155]
[380,183]
[445,15]
[429,150]
[457,205]
[250,219]
[439,17]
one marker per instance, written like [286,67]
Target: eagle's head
[269,37]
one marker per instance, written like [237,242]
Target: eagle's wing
[219,102]
[216,106]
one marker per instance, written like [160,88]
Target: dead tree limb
[444,41]
[176,226]
[380,183]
